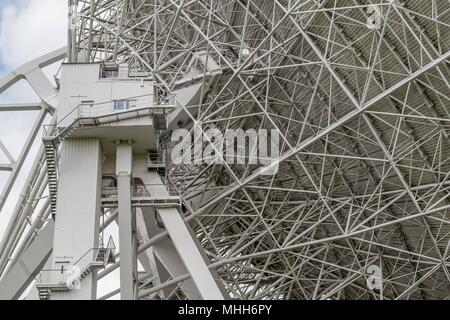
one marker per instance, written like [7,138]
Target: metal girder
[358,93]
[25,270]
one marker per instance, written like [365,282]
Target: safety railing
[109,74]
[125,105]
[67,276]
[158,191]
[155,191]
[109,192]
[156,103]
[156,159]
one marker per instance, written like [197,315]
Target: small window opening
[121,105]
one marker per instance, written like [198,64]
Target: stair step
[44,294]
[50,155]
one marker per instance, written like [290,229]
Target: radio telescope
[355,204]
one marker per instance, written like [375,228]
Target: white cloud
[29,29]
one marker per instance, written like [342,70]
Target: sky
[28,30]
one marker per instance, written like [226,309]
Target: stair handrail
[172,97]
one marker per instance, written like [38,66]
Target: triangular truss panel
[354,201]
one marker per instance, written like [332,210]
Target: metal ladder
[50,158]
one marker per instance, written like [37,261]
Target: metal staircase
[46,289]
[50,158]
[59,134]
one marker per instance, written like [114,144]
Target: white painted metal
[83,84]
[127,224]
[78,208]
[189,249]
[359,94]
[170,260]
[190,254]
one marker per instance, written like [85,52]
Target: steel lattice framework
[363,113]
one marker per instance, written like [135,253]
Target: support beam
[323,133]
[127,224]
[20,107]
[169,258]
[190,254]
[77,219]
[29,265]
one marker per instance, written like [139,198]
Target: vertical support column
[77,215]
[71,32]
[127,224]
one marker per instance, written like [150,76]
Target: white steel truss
[359,93]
